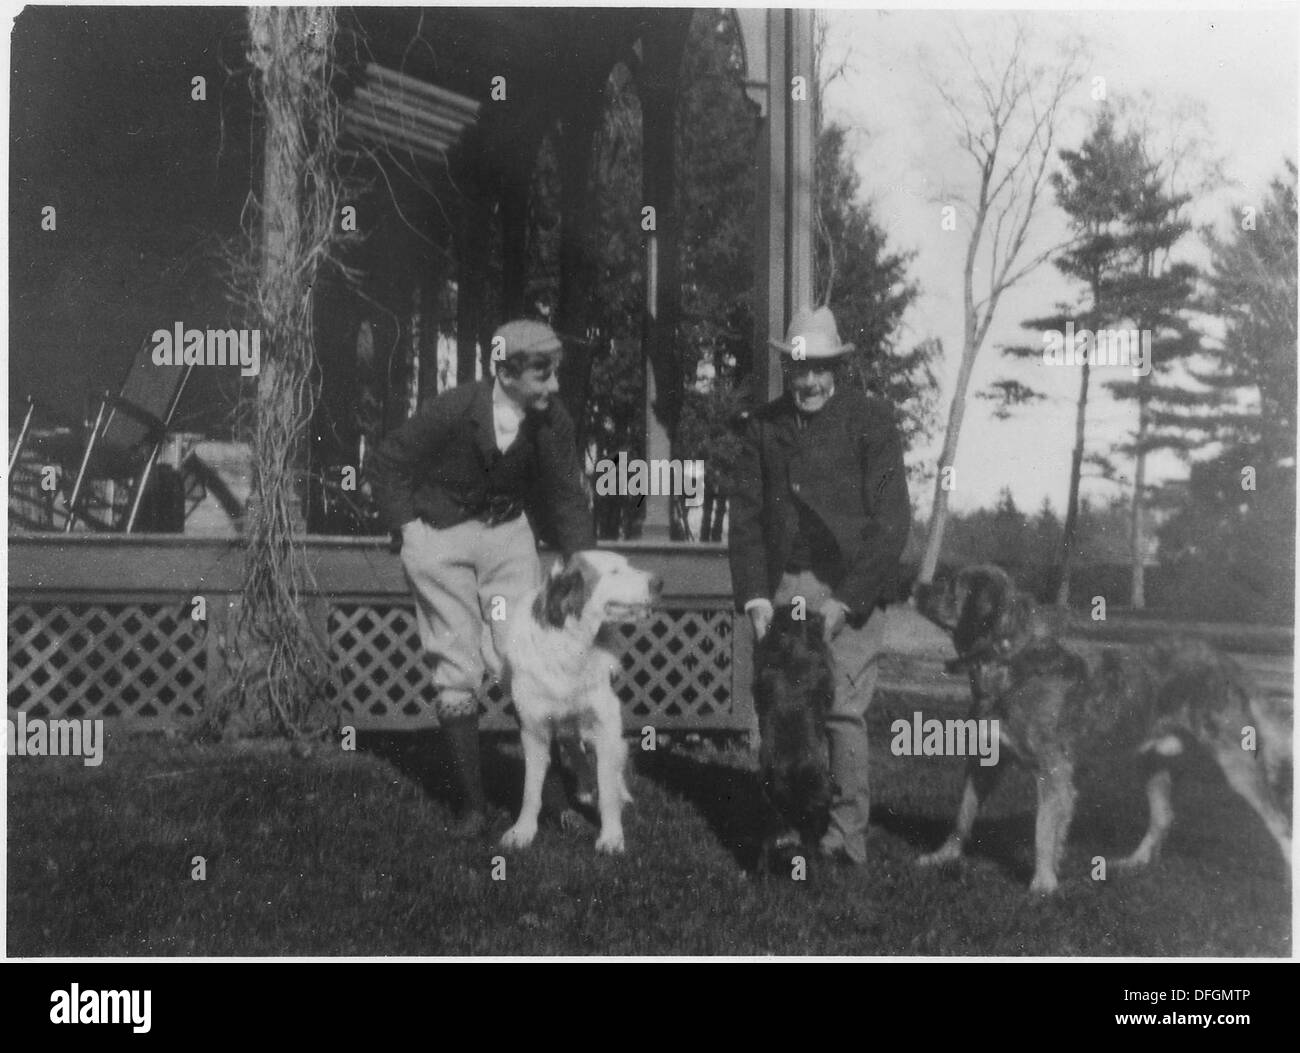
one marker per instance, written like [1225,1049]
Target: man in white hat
[462,479]
[820,510]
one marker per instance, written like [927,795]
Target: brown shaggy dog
[1051,705]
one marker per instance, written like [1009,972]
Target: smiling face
[531,380]
[811,383]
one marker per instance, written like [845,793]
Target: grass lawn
[346,853]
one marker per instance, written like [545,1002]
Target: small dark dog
[794,689]
[1150,703]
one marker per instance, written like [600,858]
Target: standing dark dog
[1051,706]
[794,687]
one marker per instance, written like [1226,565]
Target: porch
[130,629]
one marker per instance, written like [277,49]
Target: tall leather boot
[462,744]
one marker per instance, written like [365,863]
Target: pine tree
[1252,287]
[1125,221]
[1232,533]
[1096,192]
[1151,292]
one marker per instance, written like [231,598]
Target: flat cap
[528,337]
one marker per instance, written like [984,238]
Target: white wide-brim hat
[818,332]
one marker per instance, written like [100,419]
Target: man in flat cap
[820,511]
[468,480]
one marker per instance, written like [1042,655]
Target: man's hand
[760,617]
[834,613]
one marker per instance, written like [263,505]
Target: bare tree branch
[1008,129]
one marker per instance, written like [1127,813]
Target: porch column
[514,245]
[573,144]
[657,84]
[778,47]
[517,150]
[472,236]
[800,152]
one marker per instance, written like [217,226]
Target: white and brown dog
[560,665]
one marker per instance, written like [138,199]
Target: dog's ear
[563,596]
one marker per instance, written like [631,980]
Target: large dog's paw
[610,842]
[519,836]
[948,852]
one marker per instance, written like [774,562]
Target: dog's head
[601,587]
[793,691]
[982,608]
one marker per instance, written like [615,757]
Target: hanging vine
[279,668]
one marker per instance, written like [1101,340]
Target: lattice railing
[111,661]
[677,670]
[129,652]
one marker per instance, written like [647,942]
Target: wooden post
[742,676]
[577,276]
[516,179]
[472,254]
[770,244]
[785,152]
[657,86]
[799,162]
[279,675]
[223,614]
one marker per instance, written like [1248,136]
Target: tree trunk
[1137,536]
[1066,559]
[956,411]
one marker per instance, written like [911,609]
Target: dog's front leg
[611,758]
[980,781]
[1055,810]
[537,757]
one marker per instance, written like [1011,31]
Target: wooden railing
[105,626]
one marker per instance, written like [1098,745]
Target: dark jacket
[846,466]
[443,464]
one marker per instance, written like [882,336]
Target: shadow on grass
[1001,841]
[728,798]
[424,757]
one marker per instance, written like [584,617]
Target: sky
[1238,68]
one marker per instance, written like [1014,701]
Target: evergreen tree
[1096,192]
[1151,293]
[1232,534]
[1252,288]
[1125,222]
